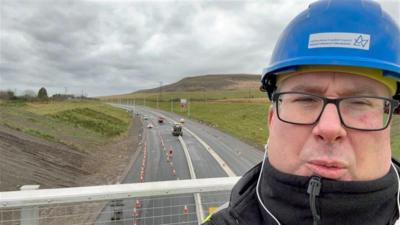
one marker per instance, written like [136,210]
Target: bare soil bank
[25,159]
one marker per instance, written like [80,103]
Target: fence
[151,203]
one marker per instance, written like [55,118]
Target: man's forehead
[344,83]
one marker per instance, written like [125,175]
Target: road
[162,157]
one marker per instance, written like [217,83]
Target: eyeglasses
[367,113]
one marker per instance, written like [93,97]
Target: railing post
[30,215]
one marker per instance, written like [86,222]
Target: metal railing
[164,202]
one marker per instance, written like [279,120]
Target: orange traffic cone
[137,204]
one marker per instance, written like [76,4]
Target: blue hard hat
[354,33]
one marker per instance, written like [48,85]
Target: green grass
[246,121]
[395,136]
[17,103]
[78,124]
[38,133]
[93,120]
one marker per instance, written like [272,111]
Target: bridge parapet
[164,202]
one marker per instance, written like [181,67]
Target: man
[333,82]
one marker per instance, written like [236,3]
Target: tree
[42,94]
[11,95]
[7,95]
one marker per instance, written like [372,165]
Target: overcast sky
[113,47]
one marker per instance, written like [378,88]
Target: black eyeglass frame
[393,103]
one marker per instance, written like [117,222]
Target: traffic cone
[134,214]
[137,204]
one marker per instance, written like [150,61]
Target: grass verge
[40,134]
[93,120]
[246,121]
[78,124]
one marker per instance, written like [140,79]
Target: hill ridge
[209,82]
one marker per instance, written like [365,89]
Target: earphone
[277,221]
[258,184]
[398,193]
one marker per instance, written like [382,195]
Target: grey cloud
[114,47]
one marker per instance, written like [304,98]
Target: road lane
[155,210]
[159,142]
[203,163]
[239,156]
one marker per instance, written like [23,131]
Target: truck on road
[177,129]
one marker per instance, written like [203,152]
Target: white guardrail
[29,201]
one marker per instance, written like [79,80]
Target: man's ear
[271,112]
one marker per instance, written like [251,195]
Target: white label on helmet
[339,40]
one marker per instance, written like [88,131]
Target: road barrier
[160,203]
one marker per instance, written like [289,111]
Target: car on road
[150,125]
[177,129]
[145,117]
[182,120]
[160,119]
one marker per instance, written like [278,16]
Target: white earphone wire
[258,184]
[398,193]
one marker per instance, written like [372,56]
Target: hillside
[64,144]
[210,83]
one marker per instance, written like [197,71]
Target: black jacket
[286,197]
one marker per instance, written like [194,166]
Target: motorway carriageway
[162,157]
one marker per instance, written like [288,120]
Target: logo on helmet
[339,40]
[360,41]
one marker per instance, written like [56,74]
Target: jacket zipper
[314,188]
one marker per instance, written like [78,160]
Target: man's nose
[329,127]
